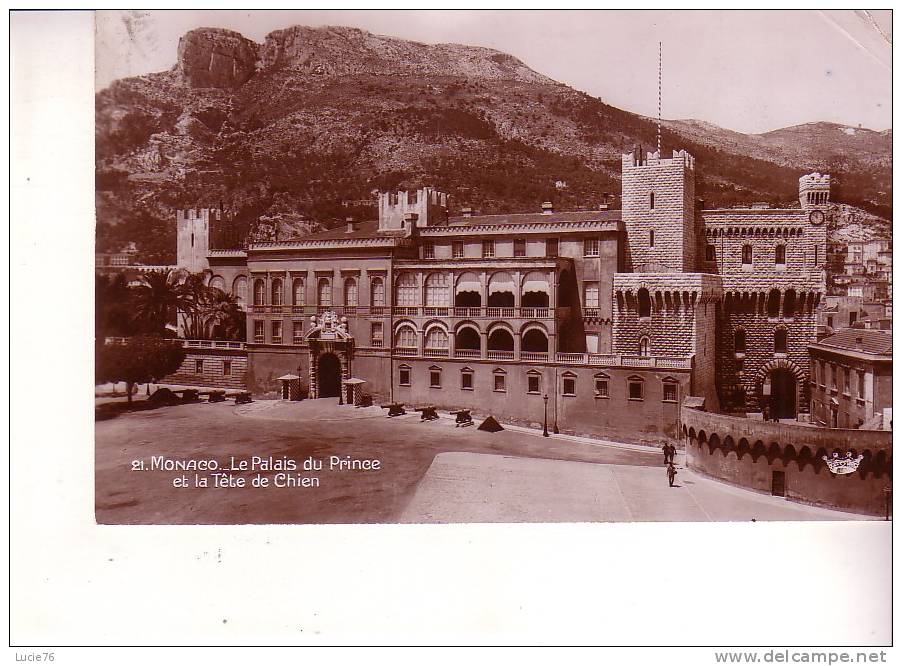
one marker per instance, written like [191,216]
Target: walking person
[671,473]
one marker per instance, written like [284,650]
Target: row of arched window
[467,338]
[323,292]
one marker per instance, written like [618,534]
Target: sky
[750,71]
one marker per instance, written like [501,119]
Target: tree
[112,306]
[158,300]
[224,318]
[139,360]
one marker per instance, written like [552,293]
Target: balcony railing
[435,352]
[535,313]
[407,311]
[467,353]
[500,312]
[534,356]
[498,355]
[431,311]
[213,344]
[406,351]
[376,343]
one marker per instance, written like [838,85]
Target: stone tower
[430,206]
[814,190]
[193,237]
[658,202]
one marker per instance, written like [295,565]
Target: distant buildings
[851,380]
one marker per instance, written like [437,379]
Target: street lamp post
[556,394]
[545,424]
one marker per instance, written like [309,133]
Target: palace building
[616,316]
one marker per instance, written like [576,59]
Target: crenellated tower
[193,233]
[429,205]
[658,202]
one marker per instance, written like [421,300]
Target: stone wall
[753,454]
[212,362]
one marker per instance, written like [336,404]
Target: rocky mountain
[304,127]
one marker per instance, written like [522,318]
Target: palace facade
[616,316]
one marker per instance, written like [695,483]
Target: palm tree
[158,300]
[195,296]
[224,318]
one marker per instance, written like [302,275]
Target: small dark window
[635,389]
[569,385]
[226,368]
[710,253]
[651,238]
[670,392]
[428,251]
[780,254]
[435,379]
[853,317]
[780,340]
[651,200]
[601,388]
[739,340]
[500,384]
[551,247]
[466,380]
[532,384]
[404,376]
[198,366]
[519,247]
[746,254]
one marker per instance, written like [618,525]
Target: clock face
[816,217]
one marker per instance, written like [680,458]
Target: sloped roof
[536,218]
[861,339]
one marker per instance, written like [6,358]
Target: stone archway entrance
[328,380]
[783,392]
[331,351]
[779,387]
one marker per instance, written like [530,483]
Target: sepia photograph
[371,279]
[452,327]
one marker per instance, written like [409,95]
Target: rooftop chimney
[466,212]
[547,208]
[352,227]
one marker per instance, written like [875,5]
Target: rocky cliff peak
[215,58]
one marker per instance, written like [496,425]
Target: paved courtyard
[428,472]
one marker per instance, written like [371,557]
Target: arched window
[277,292]
[789,303]
[739,340]
[324,292]
[298,293]
[259,292]
[644,345]
[217,283]
[406,291]
[501,340]
[467,338]
[780,339]
[780,255]
[239,288]
[406,336]
[438,293]
[377,292]
[436,338]
[747,254]
[644,303]
[351,292]
[534,340]
[773,303]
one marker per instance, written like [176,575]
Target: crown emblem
[843,465]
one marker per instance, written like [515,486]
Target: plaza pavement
[432,472]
